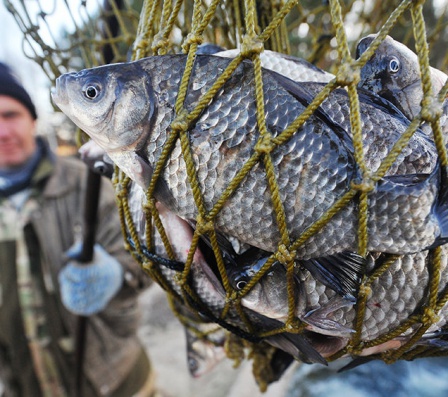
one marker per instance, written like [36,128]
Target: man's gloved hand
[87,288]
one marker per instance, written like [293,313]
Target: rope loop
[203,226]
[192,38]
[180,123]
[348,73]
[365,290]
[365,186]
[284,256]
[429,316]
[251,45]
[160,42]
[264,145]
[431,109]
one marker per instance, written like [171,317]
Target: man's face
[17,127]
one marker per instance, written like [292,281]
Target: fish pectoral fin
[320,322]
[438,339]
[441,207]
[342,272]
[357,362]
[298,347]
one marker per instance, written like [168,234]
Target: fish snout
[58,93]
[363,44]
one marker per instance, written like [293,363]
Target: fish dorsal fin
[342,272]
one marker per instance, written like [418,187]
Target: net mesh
[325,33]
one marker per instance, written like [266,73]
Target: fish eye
[241,283]
[91,91]
[394,65]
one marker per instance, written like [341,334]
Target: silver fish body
[131,113]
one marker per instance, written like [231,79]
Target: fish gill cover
[284,280]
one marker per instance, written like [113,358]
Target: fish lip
[55,92]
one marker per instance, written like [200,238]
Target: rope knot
[284,256]
[192,38]
[141,43]
[429,316]
[431,109]
[366,185]
[180,123]
[160,43]
[203,226]
[251,45]
[389,357]
[348,73]
[355,350]
[364,290]
[232,298]
[264,145]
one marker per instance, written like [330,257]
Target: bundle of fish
[128,110]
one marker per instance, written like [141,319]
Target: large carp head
[113,104]
[393,72]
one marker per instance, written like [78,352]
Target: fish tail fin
[341,272]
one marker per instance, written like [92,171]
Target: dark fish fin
[357,362]
[342,272]
[441,344]
[438,339]
[408,179]
[326,344]
[304,96]
[279,363]
[168,263]
[441,206]
[319,318]
[226,247]
[297,346]
[382,104]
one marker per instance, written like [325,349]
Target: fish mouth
[56,92]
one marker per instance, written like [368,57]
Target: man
[41,207]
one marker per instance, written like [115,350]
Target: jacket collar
[49,175]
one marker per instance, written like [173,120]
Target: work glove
[87,288]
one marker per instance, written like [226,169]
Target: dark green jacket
[112,344]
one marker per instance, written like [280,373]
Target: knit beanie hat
[10,86]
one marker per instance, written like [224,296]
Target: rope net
[325,33]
